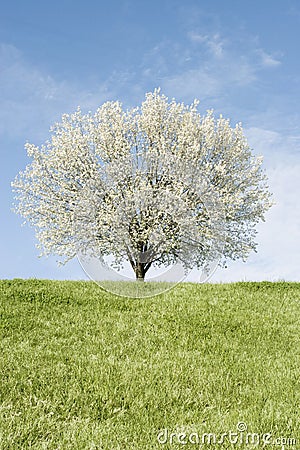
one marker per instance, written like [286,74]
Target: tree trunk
[140,271]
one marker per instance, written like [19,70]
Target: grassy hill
[83,369]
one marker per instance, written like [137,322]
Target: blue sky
[240,58]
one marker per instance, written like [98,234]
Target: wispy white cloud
[210,81]
[207,65]
[213,42]
[31,99]
[279,149]
[192,83]
[268,60]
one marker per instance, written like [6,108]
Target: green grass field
[83,369]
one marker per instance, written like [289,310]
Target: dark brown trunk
[140,271]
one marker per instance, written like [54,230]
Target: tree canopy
[152,185]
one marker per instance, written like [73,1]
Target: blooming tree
[152,185]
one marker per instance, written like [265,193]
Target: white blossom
[152,185]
